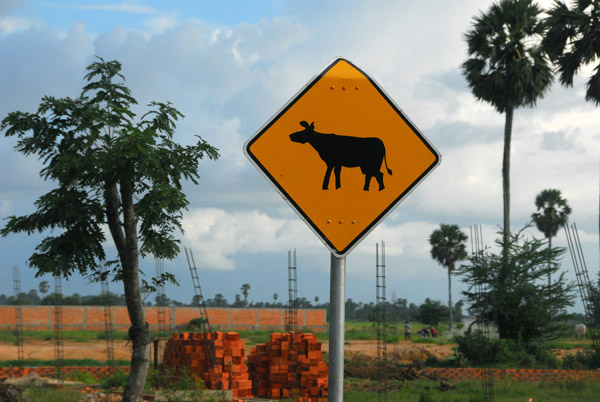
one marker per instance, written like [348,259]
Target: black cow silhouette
[340,150]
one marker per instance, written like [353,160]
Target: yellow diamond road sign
[342,154]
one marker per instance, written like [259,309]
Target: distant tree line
[430,312]
[32,298]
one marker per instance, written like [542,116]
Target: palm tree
[554,213]
[448,247]
[573,40]
[507,68]
[244,289]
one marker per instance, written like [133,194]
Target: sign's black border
[296,207]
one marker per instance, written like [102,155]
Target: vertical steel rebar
[487,378]
[291,326]
[381,307]
[58,325]
[337,318]
[18,318]
[291,321]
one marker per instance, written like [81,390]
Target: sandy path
[45,350]
[403,351]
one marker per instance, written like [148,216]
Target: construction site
[214,362]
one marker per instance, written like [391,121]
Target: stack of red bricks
[289,365]
[216,358]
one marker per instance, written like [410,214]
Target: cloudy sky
[229,65]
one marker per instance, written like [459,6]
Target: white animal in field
[579,331]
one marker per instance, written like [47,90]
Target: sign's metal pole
[337,318]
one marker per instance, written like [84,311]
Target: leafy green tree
[73,300]
[553,213]
[52,299]
[34,298]
[218,301]
[507,67]
[22,299]
[108,170]
[448,247]
[103,299]
[516,299]
[432,312]
[238,301]
[573,41]
[162,301]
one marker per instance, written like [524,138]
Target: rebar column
[337,318]
[487,378]
[58,324]
[291,321]
[18,318]
[381,304]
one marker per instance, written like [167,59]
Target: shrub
[480,350]
[84,377]
[117,380]
[586,360]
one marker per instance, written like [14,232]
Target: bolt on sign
[342,154]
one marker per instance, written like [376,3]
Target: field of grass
[71,336]
[467,391]
[570,343]
[420,391]
[64,362]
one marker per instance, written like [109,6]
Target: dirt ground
[404,351]
[44,350]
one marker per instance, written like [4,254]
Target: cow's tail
[386,166]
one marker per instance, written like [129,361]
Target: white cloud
[161,23]
[12,24]
[114,7]
[217,235]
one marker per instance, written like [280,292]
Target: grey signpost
[368,135]
[337,319]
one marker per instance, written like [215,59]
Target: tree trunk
[506,180]
[125,237]
[549,261]
[450,296]
[139,334]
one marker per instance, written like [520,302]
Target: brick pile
[289,365]
[216,358]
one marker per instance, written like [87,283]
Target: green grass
[7,336]
[419,391]
[570,343]
[468,391]
[255,337]
[65,363]
[37,394]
